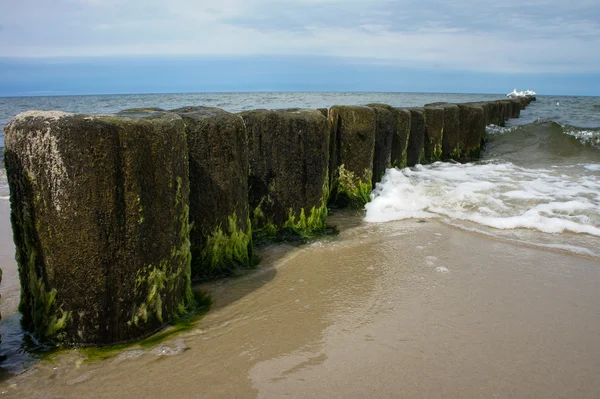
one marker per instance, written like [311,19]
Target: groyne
[114,215]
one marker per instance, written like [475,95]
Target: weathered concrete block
[221,236]
[416,139]
[434,131]
[353,131]
[472,129]
[289,179]
[100,223]
[451,148]
[384,136]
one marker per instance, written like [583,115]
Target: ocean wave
[585,135]
[498,195]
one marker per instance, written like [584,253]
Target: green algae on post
[186,322]
[434,132]
[351,190]
[352,140]
[416,140]
[384,136]
[398,157]
[101,238]
[451,148]
[221,235]
[472,130]
[288,174]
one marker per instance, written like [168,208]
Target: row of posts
[114,216]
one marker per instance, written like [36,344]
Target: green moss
[227,249]
[42,315]
[154,282]
[201,304]
[352,190]
[263,227]
[400,164]
[184,255]
[315,224]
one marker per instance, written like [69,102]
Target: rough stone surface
[451,147]
[352,147]
[100,222]
[324,111]
[493,117]
[416,139]
[143,110]
[288,181]
[400,141]
[434,132]
[401,134]
[472,129]
[384,136]
[516,108]
[504,112]
[218,158]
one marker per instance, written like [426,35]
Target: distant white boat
[526,93]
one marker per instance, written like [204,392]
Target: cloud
[515,36]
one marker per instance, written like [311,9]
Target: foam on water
[499,195]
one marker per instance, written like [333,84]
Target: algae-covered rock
[100,222]
[472,129]
[353,130]
[384,136]
[516,107]
[221,236]
[503,112]
[434,132]
[289,179]
[493,115]
[451,147]
[416,139]
[487,112]
[401,134]
[324,111]
[400,141]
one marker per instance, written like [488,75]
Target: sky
[117,46]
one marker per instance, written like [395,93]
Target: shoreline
[367,314]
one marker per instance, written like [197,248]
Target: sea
[536,186]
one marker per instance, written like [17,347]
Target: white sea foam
[591,137]
[592,166]
[498,195]
[526,93]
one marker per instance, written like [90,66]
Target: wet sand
[366,314]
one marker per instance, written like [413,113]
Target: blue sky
[115,46]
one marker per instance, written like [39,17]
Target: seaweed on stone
[227,250]
[351,190]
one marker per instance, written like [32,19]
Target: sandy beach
[402,309]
